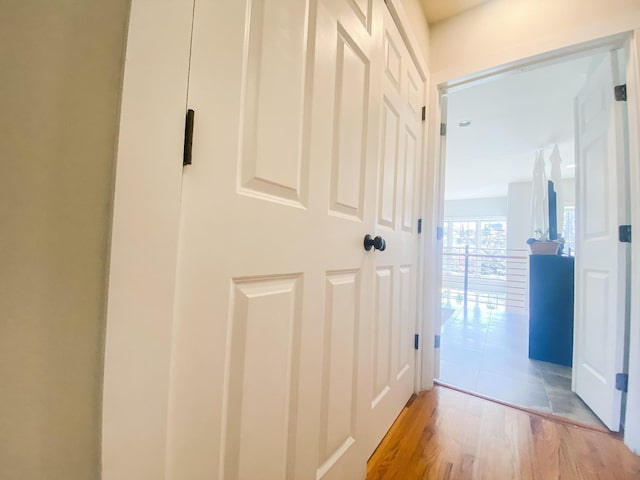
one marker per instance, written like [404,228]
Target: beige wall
[61,64]
[502,31]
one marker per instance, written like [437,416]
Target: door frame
[144,240]
[145,231]
[441,85]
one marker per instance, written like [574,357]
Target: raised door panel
[383,318]
[273,164]
[350,126]
[414,93]
[405,323]
[389,164]
[409,178]
[594,348]
[262,389]
[594,366]
[339,368]
[363,10]
[595,196]
[393,60]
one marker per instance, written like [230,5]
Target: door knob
[377,243]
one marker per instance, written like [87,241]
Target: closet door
[396,267]
[344,142]
[271,359]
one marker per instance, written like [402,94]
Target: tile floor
[488,354]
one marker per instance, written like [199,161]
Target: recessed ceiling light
[464,123]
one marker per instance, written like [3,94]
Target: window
[569,230]
[487,243]
[445,234]
[474,264]
[479,235]
[463,234]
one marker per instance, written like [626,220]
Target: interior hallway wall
[61,64]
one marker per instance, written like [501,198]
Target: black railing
[494,277]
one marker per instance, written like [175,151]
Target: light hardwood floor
[446,434]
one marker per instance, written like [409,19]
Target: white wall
[518,215]
[61,64]
[502,31]
[476,208]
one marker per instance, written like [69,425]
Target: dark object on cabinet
[553,212]
[551,309]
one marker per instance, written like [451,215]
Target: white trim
[144,240]
[632,424]
[442,84]
[447,84]
[434,210]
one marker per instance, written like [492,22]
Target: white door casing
[144,239]
[601,260]
[396,221]
[271,361]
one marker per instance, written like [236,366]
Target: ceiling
[437,10]
[511,118]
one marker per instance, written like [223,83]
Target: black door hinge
[416,341]
[622,381]
[436,341]
[624,233]
[443,129]
[424,113]
[620,92]
[188,137]
[419,225]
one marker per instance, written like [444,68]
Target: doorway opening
[497,130]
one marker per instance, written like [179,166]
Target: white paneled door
[397,203]
[601,260]
[274,364]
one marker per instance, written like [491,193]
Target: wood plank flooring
[446,434]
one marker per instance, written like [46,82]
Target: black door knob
[377,243]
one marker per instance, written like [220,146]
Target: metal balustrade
[493,277]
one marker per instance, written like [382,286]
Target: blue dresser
[551,309]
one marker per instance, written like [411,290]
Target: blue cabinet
[551,308]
